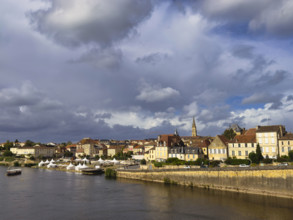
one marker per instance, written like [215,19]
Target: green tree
[29,143]
[7,153]
[229,134]
[259,155]
[252,156]
[290,154]
[68,154]
[8,145]
[143,162]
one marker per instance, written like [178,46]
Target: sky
[134,69]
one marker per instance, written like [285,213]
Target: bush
[158,164]
[215,163]
[167,181]
[290,154]
[9,159]
[16,164]
[234,161]
[267,160]
[32,158]
[283,158]
[143,162]
[7,153]
[30,164]
[110,173]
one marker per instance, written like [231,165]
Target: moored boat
[92,171]
[13,172]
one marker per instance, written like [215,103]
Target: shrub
[290,154]
[167,181]
[16,164]
[9,159]
[158,164]
[7,153]
[283,158]
[234,161]
[143,162]
[30,164]
[110,173]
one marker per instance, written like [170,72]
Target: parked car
[243,165]
[283,164]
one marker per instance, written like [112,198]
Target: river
[40,194]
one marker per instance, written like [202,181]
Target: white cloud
[150,93]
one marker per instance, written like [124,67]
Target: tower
[194,132]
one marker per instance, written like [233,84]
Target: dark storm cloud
[263,98]
[263,16]
[74,23]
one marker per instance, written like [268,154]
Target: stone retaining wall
[275,181]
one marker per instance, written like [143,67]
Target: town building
[38,151]
[242,145]
[268,139]
[218,149]
[285,144]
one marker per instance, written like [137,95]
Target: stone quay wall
[273,181]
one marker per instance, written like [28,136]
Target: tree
[7,153]
[258,154]
[290,154]
[229,134]
[252,156]
[8,145]
[68,154]
[29,143]
[143,162]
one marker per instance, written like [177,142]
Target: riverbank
[272,181]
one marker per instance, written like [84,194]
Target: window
[266,140]
[288,142]
[261,149]
[193,156]
[272,135]
[239,153]
[282,142]
[224,151]
[245,144]
[283,149]
[233,153]
[266,134]
[267,149]
[273,140]
[239,145]
[188,156]
[260,141]
[289,148]
[273,149]
[252,144]
[246,153]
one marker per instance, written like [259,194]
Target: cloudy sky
[134,69]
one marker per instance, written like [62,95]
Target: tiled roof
[288,136]
[223,139]
[244,139]
[269,128]
[250,131]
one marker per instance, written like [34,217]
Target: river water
[44,194]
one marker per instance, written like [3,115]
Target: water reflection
[42,194]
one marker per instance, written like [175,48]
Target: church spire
[194,132]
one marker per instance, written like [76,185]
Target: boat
[13,172]
[92,171]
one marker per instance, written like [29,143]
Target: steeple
[194,132]
[176,133]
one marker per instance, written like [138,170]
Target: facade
[241,146]
[268,139]
[111,151]
[285,144]
[88,146]
[218,149]
[34,151]
[186,153]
